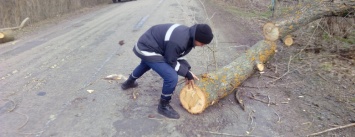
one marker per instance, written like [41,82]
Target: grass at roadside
[249,13]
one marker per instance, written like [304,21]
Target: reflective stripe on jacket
[167,43]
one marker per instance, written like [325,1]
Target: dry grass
[12,12]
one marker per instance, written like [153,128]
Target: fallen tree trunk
[311,11]
[7,34]
[214,86]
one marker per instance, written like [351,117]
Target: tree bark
[215,85]
[311,11]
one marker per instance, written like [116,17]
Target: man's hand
[191,83]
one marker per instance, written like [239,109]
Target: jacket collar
[192,34]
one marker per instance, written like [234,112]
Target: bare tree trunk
[311,11]
[216,85]
[7,34]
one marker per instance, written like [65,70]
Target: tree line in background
[13,12]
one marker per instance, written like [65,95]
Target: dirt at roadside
[305,92]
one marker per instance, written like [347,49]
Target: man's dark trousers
[164,70]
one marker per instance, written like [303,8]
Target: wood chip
[90,91]
[115,77]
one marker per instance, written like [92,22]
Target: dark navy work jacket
[167,43]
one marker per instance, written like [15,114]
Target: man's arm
[172,52]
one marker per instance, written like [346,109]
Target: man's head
[203,35]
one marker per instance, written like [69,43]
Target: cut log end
[6,36]
[288,41]
[193,100]
[260,67]
[271,32]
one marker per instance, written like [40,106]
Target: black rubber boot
[129,83]
[165,109]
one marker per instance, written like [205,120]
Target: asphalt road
[45,78]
